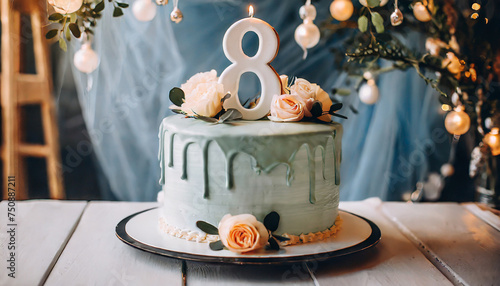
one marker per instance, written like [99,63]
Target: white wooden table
[74,243]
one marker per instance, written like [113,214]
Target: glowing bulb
[66,6]
[368,92]
[144,10]
[447,170]
[452,63]
[457,122]
[474,16]
[445,107]
[476,6]
[493,140]
[341,10]
[420,12]
[86,60]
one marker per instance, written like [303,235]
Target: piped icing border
[195,236]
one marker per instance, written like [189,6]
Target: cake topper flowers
[244,233]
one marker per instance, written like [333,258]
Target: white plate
[140,230]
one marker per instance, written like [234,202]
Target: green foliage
[75,30]
[378,22]
[273,244]
[317,109]
[206,227]
[230,114]
[176,96]
[373,3]
[363,23]
[99,7]
[216,245]
[62,44]
[271,221]
[56,17]
[117,12]
[51,34]
[122,5]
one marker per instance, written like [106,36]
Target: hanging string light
[396,16]
[176,16]
[493,140]
[457,122]
[307,34]
[86,59]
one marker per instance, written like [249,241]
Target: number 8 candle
[258,64]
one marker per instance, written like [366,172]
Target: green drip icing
[312,174]
[337,154]
[184,161]
[229,170]
[161,154]
[204,146]
[171,151]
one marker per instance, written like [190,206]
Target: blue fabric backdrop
[387,147]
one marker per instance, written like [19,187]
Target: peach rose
[242,233]
[310,92]
[287,107]
[203,94]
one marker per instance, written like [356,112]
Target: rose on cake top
[202,97]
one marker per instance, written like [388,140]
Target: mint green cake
[248,167]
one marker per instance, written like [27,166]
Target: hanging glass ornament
[341,10]
[396,16]
[86,60]
[368,92]
[420,12]
[457,122]
[493,140]
[307,34]
[144,10]
[176,16]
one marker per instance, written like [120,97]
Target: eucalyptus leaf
[378,22]
[67,34]
[56,17]
[206,227]
[75,30]
[117,12]
[317,109]
[230,114]
[280,238]
[273,244]
[363,23]
[343,91]
[51,34]
[271,221]
[339,115]
[373,3]
[176,96]
[178,111]
[335,107]
[122,5]
[72,17]
[99,7]
[226,97]
[216,245]
[62,44]
[354,110]
[207,119]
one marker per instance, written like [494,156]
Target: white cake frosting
[254,167]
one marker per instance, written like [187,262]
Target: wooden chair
[18,89]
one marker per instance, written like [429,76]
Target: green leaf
[56,17]
[226,97]
[271,221]
[75,30]
[62,44]
[230,114]
[178,111]
[206,227]
[354,110]
[335,107]
[176,96]
[216,245]
[339,115]
[280,238]
[373,3]
[273,244]
[123,5]
[378,22]
[67,34]
[72,17]
[117,12]
[99,7]
[207,119]
[317,109]
[343,91]
[51,34]
[362,24]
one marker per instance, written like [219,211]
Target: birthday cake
[242,183]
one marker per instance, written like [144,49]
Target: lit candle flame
[250,11]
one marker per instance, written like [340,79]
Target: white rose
[287,107]
[242,233]
[310,92]
[204,99]
[195,80]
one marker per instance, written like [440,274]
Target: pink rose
[242,233]
[287,107]
[310,92]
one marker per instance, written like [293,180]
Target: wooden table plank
[394,261]
[463,244]
[43,228]
[95,256]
